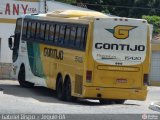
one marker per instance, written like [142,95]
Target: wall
[154,76]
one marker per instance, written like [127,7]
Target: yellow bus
[83,54]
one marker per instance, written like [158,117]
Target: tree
[123,8]
[142,7]
[155,20]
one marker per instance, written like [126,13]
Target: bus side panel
[57,60]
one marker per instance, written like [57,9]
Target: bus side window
[29,29]
[67,35]
[42,31]
[33,30]
[61,35]
[47,32]
[83,40]
[38,31]
[24,31]
[79,37]
[72,36]
[57,33]
[51,32]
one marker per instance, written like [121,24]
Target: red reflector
[88,76]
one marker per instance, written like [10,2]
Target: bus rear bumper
[114,93]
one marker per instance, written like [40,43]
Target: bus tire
[68,89]
[105,101]
[119,101]
[59,88]
[21,79]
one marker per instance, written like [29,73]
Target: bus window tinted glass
[47,32]
[42,31]
[38,31]
[57,33]
[51,32]
[67,35]
[83,41]
[61,35]
[33,30]
[29,29]
[24,32]
[79,37]
[72,36]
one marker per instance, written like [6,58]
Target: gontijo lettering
[53,53]
[122,47]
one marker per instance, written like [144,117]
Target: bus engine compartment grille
[78,84]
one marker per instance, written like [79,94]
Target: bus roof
[77,13]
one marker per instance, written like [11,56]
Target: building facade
[154,76]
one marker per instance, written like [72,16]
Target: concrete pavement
[15,99]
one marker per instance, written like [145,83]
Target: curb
[155,106]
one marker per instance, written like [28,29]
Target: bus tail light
[88,76]
[145,79]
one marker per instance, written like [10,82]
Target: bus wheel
[105,101]
[119,101]
[68,96]
[21,79]
[59,89]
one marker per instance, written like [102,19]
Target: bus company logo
[121,31]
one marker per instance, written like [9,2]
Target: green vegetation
[123,8]
[155,20]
